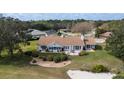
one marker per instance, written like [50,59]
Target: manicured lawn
[19,67]
[99,57]
[31,47]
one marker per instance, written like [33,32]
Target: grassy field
[19,67]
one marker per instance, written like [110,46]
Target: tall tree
[12,33]
[115,43]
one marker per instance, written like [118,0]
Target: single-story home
[36,34]
[66,44]
[105,35]
[102,38]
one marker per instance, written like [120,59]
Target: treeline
[54,24]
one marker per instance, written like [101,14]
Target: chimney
[82,37]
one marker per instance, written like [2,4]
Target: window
[66,47]
[88,46]
[43,47]
[77,47]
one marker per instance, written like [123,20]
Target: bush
[99,68]
[34,61]
[98,47]
[40,56]
[44,58]
[28,53]
[64,57]
[50,58]
[56,59]
[82,53]
[28,43]
[118,77]
[35,54]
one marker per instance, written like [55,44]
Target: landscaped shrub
[44,58]
[98,47]
[50,58]
[28,53]
[118,77]
[40,56]
[82,53]
[57,59]
[35,54]
[34,61]
[64,57]
[28,43]
[99,68]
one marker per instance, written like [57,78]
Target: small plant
[28,53]
[98,47]
[59,33]
[44,58]
[118,77]
[99,69]
[34,61]
[57,59]
[35,54]
[50,58]
[83,53]
[64,57]
[28,43]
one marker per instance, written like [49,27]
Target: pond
[78,74]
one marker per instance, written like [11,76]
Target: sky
[62,16]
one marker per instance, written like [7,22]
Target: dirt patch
[50,63]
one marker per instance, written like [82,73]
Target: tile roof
[106,34]
[64,40]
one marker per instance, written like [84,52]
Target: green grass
[31,47]
[99,57]
[19,67]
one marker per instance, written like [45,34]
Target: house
[64,30]
[102,38]
[66,44]
[105,35]
[36,34]
[67,32]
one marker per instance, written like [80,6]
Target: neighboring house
[66,44]
[50,32]
[102,38]
[65,30]
[105,35]
[36,34]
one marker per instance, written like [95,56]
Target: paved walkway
[77,74]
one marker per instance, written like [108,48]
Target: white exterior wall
[69,49]
[39,48]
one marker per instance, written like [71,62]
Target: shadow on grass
[16,60]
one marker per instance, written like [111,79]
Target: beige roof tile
[64,40]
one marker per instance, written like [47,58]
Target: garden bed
[51,63]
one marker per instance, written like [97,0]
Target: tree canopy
[115,43]
[11,34]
